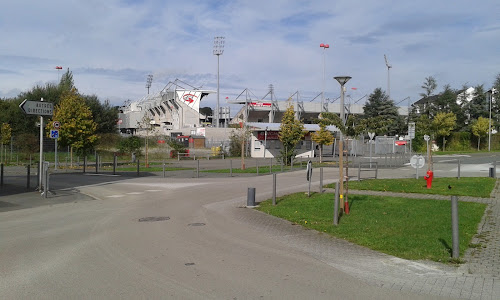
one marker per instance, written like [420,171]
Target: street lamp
[324,46]
[491,93]
[342,80]
[218,50]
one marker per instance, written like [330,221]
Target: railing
[367,167]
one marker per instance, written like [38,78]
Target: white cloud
[111,46]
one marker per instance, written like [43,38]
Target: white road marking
[115,196]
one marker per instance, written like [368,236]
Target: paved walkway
[479,276]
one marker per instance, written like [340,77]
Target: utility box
[197,142]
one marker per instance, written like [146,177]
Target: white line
[135,193]
[115,196]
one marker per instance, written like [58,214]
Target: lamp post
[491,93]
[265,141]
[342,81]
[218,50]
[324,46]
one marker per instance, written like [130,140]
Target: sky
[111,46]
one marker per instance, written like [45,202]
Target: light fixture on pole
[324,46]
[342,80]
[218,50]
[491,92]
[149,81]
[388,77]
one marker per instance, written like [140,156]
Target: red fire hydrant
[428,178]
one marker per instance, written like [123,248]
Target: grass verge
[465,186]
[406,228]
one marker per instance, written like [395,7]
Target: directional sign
[54,134]
[37,108]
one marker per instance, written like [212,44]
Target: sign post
[427,138]
[411,132]
[309,171]
[371,135]
[42,109]
[417,162]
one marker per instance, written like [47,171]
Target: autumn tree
[322,137]
[77,126]
[291,132]
[443,124]
[480,129]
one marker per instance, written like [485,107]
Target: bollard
[84,163]
[282,166]
[114,163]
[46,184]
[458,175]
[454,226]
[96,163]
[336,204]
[137,167]
[271,166]
[1,174]
[198,168]
[291,164]
[492,172]
[274,188]
[251,197]
[321,180]
[230,168]
[257,166]
[163,169]
[28,177]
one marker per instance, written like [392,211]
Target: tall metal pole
[342,81]
[324,46]
[40,173]
[489,126]
[218,50]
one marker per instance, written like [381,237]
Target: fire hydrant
[428,178]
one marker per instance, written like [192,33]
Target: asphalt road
[206,245]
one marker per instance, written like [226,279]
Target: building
[174,108]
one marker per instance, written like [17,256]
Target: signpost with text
[41,109]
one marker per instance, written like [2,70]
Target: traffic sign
[426,137]
[37,108]
[371,135]
[411,130]
[54,134]
[56,125]
[417,161]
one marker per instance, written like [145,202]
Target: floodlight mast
[149,81]
[324,46]
[218,50]
[388,77]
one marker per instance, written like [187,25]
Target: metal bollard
[114,163]
[274,188]
[137,167]
[271,166]
[198,168]
[257,166]
[1,175]
[336,204]
[251,197]
[163,169]
[230,168]
[321,180]
[458,175]
[454,227]
[84,163]
[28,167]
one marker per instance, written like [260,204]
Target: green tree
[291,132]
[131,145]
[443,124]
[66,83]
[6,134]
[429,86]
[105,115]
[77,126]
[480,129]
[381,114]
[322,137]
[479,105]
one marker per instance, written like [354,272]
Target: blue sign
[54,134]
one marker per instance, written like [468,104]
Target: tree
[66,83]
[443,124]
[105,115]
[480,128]
[145,125]
[6,134]
[479,105]
[77,126]
[381,114]
[291,132]
[130,145]
[429,86]
[322,137]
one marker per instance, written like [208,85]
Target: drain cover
[197,224]
[153,219]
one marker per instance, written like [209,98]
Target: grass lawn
[406,228]
[465,186]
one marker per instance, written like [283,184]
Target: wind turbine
[388,77]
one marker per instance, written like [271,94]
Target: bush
[130,145]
